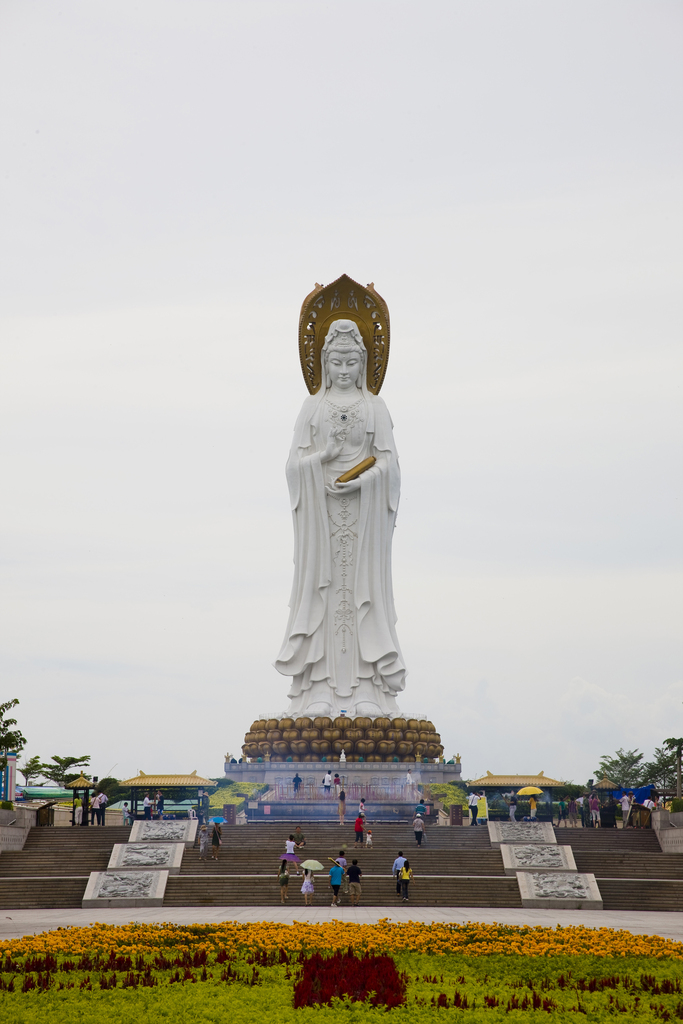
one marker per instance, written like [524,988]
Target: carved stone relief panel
[125,889]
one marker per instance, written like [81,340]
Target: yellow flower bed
[469,939]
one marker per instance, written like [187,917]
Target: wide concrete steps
[43,893]
[641,894]
[627,864]
[63,851]
[385,835]
[426,861]
[378,891]
[611,839]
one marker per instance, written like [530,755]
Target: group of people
[344,878]
[213,838]
[583,810]
[98,807]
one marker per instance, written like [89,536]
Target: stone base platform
[520,833]
[147,857]
[181,831]
[125,889]
[537,857]
[556,890]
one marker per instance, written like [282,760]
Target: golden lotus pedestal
[359,740]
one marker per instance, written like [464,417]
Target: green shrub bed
[241,987]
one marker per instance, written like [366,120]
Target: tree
[676,745]
[661,770]
[10,738]
[61,771]
[31,769]
[624,768]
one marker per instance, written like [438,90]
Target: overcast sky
[176,177]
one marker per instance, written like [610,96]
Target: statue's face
[344,368]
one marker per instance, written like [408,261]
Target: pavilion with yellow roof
[182,787]
[497,787]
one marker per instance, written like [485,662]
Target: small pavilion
[81,787]
[177,787]
[497,787]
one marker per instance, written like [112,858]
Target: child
[307,888]
[368,838]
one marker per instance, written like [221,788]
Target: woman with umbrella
[308,888]
[532,792]
[216,840]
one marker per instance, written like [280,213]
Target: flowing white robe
[340,646]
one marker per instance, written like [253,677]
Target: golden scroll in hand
[351,474]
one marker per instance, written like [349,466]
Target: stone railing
[15,826]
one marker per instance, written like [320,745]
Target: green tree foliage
[62,771]
[676,746]
[31,769]
[114,791]
[661,770]
[10,737]
[625,768]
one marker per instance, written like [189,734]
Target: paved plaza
[15,923]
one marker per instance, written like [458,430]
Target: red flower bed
[372,979]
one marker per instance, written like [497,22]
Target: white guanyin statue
[341,648]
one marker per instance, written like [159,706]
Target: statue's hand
[348,488]
[334,445]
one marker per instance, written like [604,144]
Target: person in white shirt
[94,808]
[579,807]
[147,807]
[472,802]
[327,783]
[626,801]
[102,807]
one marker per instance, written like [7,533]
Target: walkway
[15,923]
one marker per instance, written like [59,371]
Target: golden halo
[344,299]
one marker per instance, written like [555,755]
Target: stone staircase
[455,867]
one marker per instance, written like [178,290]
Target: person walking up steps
[308,888]
[354,874]
[203,842]
[216,840]
[418,828]
[342,861]
[359,829]
[283,879]
[406,874]
[396,870]
[472,802]
[342,806]
[336,875]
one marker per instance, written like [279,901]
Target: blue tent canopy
[639,794]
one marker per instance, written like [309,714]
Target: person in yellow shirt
[532,805]
[406,876]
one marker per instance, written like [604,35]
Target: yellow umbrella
[529,791]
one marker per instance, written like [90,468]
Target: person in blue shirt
[336,875]
[421,808]
[396,871]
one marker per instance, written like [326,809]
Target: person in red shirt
[359,829]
